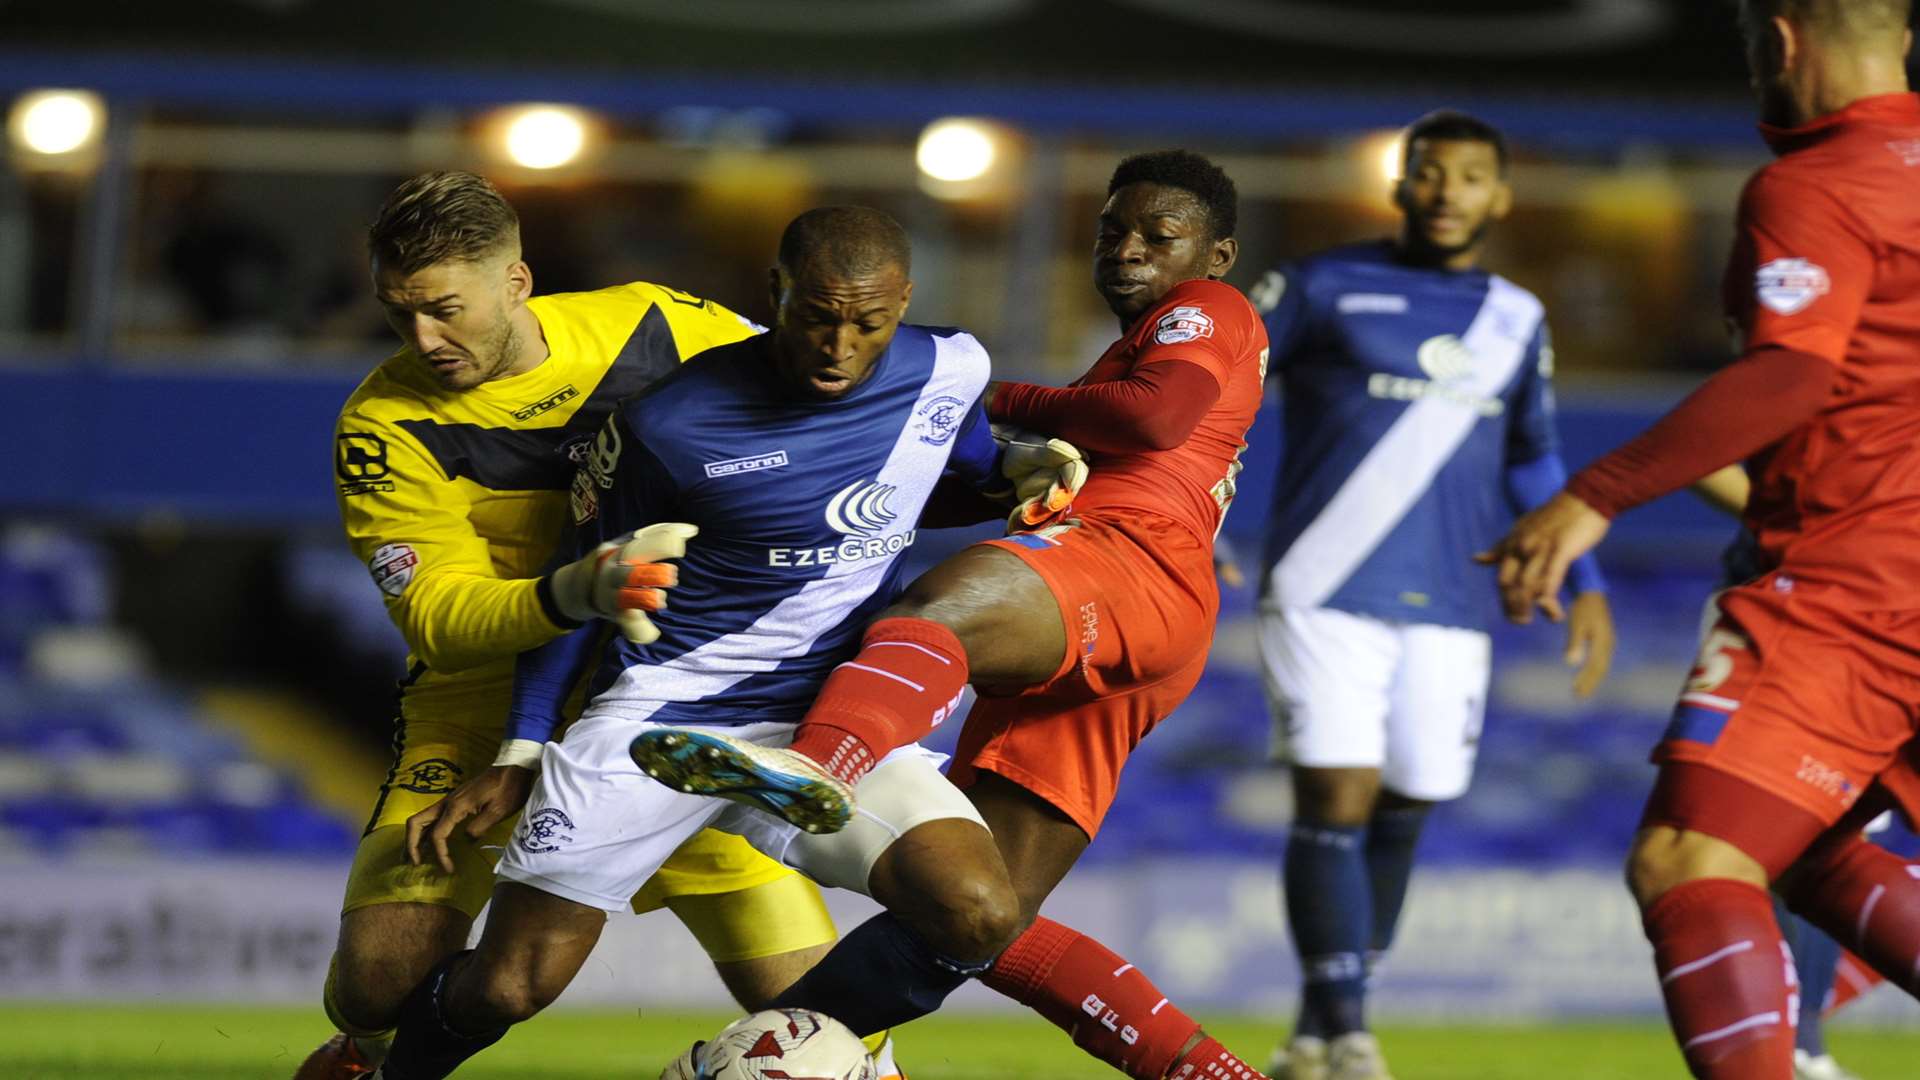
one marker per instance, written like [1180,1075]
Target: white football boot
[1356,1056]
[1303,1057]
[1818,1067]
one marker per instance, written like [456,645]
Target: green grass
[44,1042]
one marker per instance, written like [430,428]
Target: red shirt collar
[1881,109]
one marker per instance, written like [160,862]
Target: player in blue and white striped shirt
[1417,417]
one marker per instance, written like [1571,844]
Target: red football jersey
[1827,262]
[1207,323]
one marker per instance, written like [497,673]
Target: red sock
[1732,994]
[1112,1011]
[906,680]
[1208,1060]
[1868,899]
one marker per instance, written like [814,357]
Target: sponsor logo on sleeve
[392,567]
[551,401]
[1788,286]
[1907,150]
[939,419]
[752,463]
[1183,324]
[360,461]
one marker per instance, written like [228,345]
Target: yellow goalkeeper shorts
[740,904]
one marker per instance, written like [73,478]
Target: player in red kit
[1080,636]
[1798,722]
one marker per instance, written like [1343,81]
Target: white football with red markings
[785,1044]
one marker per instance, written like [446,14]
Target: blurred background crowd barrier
[196,677]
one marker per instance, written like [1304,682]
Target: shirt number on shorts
[1715,666]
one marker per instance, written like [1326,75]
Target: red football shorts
[1810,703]
[1138,598]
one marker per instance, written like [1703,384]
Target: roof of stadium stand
[1622,45]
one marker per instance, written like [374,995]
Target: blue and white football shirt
[1410,394]
[804,508]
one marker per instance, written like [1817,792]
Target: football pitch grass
[83,1042]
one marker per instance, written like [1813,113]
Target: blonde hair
[440,216]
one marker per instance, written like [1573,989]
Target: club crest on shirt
[940,418]
[1788,286]
[604,458]
[1182,324]
[392,567]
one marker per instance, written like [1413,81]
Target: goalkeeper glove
[1046,474]
[623,579]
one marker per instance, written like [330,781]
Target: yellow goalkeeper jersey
[455,499]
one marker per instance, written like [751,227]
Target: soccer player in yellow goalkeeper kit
[453,462]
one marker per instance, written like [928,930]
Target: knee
[977,920]
[360,999]
[501,995]
[1649,873]
[1345,798]
[1664,858]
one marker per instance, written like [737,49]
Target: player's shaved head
[441,217]
[846,242]
[1810,58]
[1840,20]
[840,289]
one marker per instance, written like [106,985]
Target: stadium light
[57,123]
[545,136]
[967,159]
[1390,150]
[956,150]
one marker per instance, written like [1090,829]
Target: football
[778,1044]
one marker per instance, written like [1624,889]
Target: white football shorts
[596,827]
[1353,691]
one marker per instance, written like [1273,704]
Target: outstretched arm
[1154,408]
[1745,407]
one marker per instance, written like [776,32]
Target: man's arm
[409,523]
[1154,408]
[1198,335]
[1534,472]
[1744,408]
[1726,489]
[1529,485]
[1804,268]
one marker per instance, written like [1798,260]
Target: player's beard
[1425,250]
[493,359]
